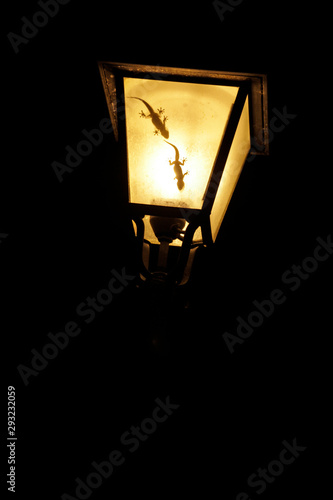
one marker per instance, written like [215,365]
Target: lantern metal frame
[251,86]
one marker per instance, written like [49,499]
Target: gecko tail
[138,98]
[132,97]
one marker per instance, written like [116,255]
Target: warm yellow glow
[196,118]
[237,156]
[150,235]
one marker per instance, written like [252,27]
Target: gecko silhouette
[178,168]
[155,118]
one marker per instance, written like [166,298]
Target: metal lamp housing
[183,137]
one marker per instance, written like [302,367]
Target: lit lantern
[184,136]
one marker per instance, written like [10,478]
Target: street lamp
[183,138]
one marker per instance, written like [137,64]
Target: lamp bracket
[161,270]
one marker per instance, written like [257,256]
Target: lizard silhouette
[155,118]
[178,168]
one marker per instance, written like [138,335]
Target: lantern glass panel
[167,122]
[237,155]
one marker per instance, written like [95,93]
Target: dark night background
[65,238]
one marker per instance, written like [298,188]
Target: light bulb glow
[191,118]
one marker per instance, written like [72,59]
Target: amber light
[185,138]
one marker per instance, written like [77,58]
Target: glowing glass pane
[174,131]
[232,170]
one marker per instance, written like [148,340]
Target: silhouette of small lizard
[178,168]
[155,118]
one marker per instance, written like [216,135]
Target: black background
[65,238]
